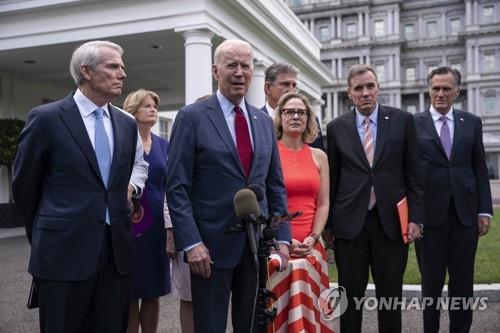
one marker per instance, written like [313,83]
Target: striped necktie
[369,147]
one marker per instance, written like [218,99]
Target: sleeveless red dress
[299,286]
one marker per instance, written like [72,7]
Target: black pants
[211,297]
[451,246]
[386,258]
[98,304]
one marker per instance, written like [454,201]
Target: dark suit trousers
[450,246]
[211,297]
[386,258]
[98,304]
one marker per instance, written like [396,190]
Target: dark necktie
[243,143]
[445,136]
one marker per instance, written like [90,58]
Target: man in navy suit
[71,182]
[219,146]
[372,151]
[281,78]
[458,204]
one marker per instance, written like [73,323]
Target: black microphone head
[245,203]
[258,190]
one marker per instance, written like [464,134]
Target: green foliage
[9,134]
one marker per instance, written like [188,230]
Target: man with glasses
[458,205]
[373,165]
[281,78]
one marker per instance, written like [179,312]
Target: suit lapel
[428,124]
[74,122]
[383,127]
[354,133]
[458,131]
[216,116]
[256,119]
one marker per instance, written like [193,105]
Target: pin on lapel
[254,117]
[386,117]
[461,119]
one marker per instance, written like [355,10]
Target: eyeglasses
[290,113]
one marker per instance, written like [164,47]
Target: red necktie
[243,143]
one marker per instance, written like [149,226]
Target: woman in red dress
[306,176]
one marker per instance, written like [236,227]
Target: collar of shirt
[436,115]
[270,110]
[86,106]
[227,106]
[360,118]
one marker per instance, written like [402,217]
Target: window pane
[455,26]
[164,128]
[351,30]
[492,164]
[409,31]
[488,13]
[431,29]
[411,109]
[380,69]
[324,33]
[457,65]
[489,63]
[410,73]
[489,102]
[379,28]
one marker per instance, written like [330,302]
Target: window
[455,26]
[409,31]
[351,30]
[379,28]
[492,165]
[488,13]
[432,29]
[489,62]
[457,65]
[410,73]
[324,33]
[489,102]
[380,69]
[297,2]
[164,127]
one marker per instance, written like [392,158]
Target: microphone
[247,209]
[257,190]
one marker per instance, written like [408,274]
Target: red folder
[402,207]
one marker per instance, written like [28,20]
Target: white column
[335,104]
[339,26]
[476,59]
[333,31]
[367,59]
[198,62]
[397,67]
[360,59]
[396,22]
[389,22]
[421,101]
[339,68]
[443,26]
[475,15]
[312,26]
[422,73]
[329,106]
[256,95]
[360,24]
[470,99]
[476,109]
[468,14]
[316,106]
[470,70]
[367,24]
[398,99]
[420,28]
[391,68]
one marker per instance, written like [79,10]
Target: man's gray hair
[278,68]
[88,54]
[442,70]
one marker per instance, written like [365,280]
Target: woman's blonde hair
[311,131]
[135,99]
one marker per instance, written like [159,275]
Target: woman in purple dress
[151,267]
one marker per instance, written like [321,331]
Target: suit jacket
[394,173]
[463,178]
[318,142]
[204,173]
[58,187]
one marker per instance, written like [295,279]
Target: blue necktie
[102,150]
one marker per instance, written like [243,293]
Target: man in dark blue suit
[458,204]
[219,146]
[71,182]
[281,78]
